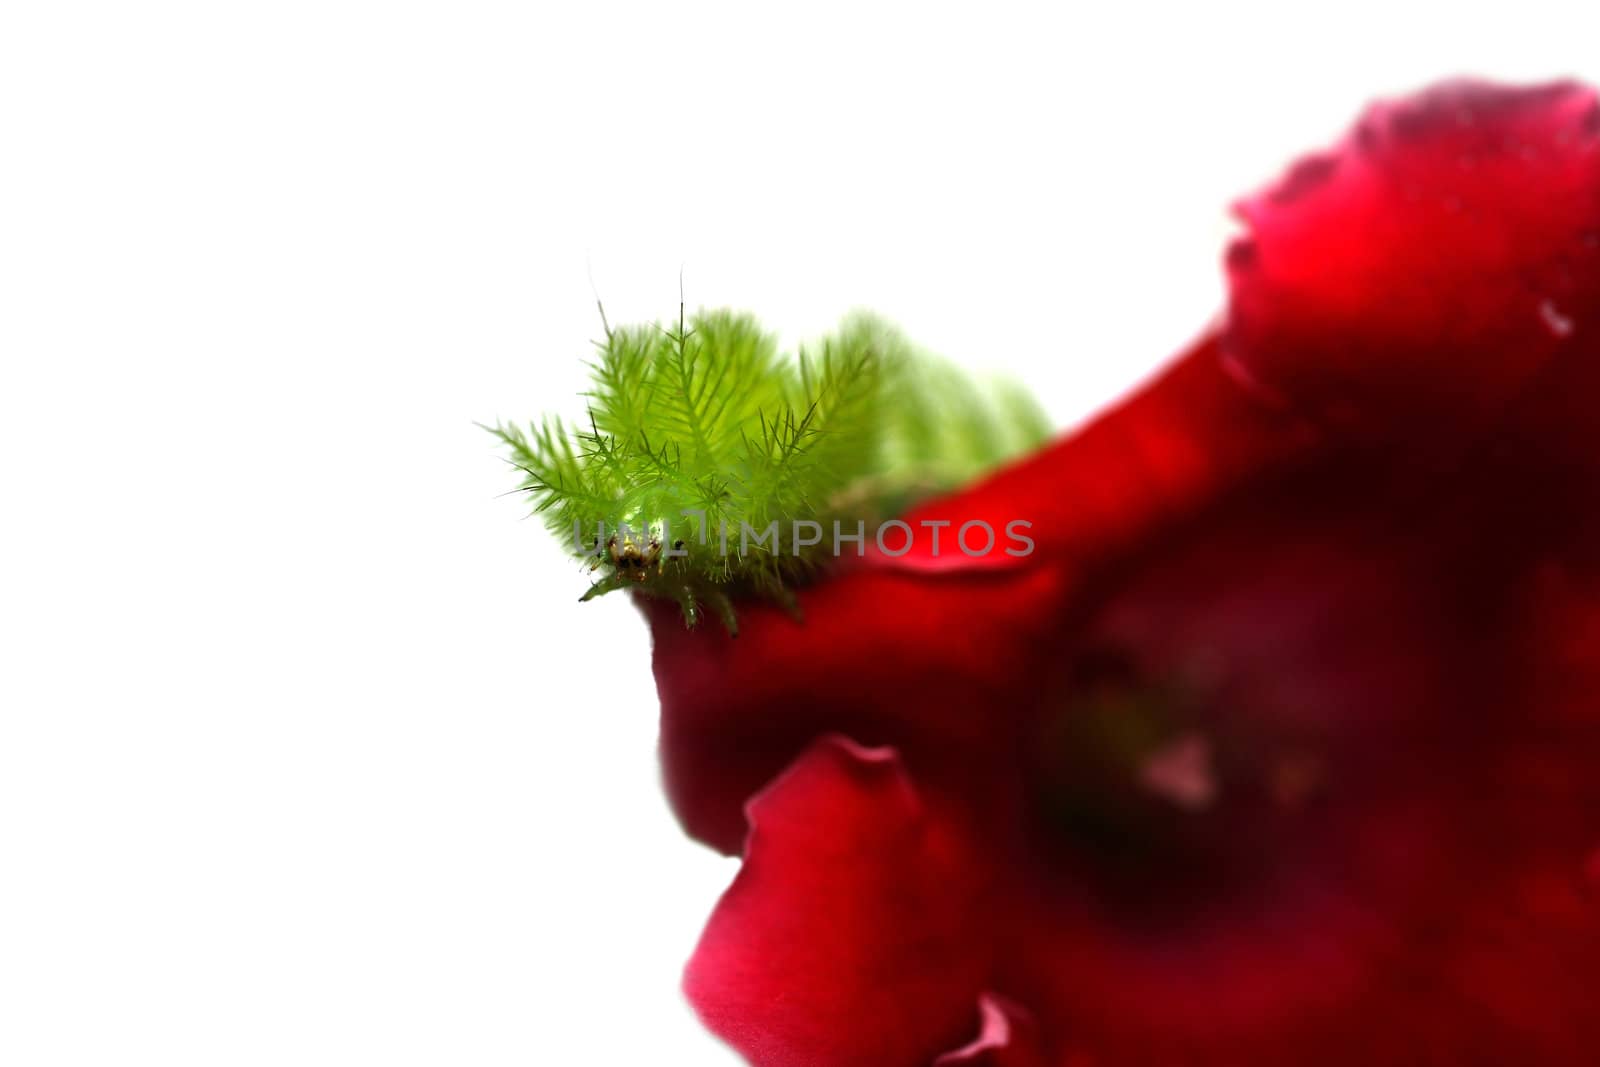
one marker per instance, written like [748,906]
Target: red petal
[887,658]
[1193,433]
[847,939]
[1417,276]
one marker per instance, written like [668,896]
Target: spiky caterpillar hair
[703,426]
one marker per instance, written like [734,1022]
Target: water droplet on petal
[1558,324]
[1182,773]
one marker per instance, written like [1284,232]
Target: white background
[308,754]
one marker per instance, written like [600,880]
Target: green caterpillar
[701,433]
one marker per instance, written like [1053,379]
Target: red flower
[1284,745]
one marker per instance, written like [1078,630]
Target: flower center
[1161,796]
